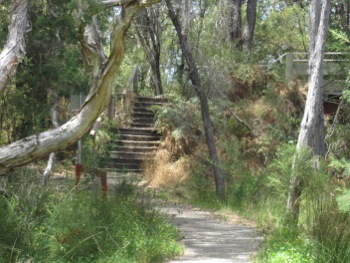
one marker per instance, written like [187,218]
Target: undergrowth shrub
[324,220]
[41,225]
[181,119]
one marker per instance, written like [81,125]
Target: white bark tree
[14,49]
[312,130]
[103,71]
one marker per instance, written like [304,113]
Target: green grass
[323,231]
[42,225]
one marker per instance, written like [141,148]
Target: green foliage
[274,36]
[4,14]
[330,229]
[322,233]
[343,201]
[279,171]
[181,117]
[53,64]
[341,41]
[288,247]
[44,226]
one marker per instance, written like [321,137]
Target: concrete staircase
[138,142]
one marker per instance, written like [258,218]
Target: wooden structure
[335,71]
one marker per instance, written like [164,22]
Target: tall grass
[323,232]
[41,225]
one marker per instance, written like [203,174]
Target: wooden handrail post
[289,68]
[78,168]
[136,80]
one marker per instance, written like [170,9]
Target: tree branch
[46,175]
[14,49]
[37,146]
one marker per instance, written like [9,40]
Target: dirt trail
[206,238]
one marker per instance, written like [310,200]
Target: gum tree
[14,50]
[102,70]
[312,130]
[203,100]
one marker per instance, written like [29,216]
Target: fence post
[289,67]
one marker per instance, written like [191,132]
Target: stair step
[127,161]
[141,124]
[131,143]
[130,155]
[146,120]
[151,99]
[137,137]
[135,148]
[137,114]
[137,143]
[142,110]
[136,131]
[148,106]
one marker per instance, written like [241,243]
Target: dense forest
[256,121]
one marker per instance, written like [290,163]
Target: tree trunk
[312,131]
[148,32]
[185,10]
[36,146]
[46,175]
[234,21]
[249,27]
[196,82]
[14,49]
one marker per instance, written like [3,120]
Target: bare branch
[46,175]
[14,49]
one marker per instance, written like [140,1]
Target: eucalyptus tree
[340,13]
[248,32]
[102,70]
[312,130]
[234,20]
[242,38]
[14,49]
[197,86]
[149,30]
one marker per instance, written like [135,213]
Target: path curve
[207,239]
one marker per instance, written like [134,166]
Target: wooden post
[136,80]
[289,68]
[78,168]
[111,108]
[104,186]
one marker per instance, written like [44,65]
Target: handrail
[296,61]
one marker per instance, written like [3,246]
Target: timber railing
[335,70]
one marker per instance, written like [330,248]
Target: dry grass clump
[161,171]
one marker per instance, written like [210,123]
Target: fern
[343,201]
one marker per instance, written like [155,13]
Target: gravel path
[206,238]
